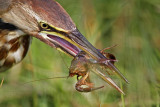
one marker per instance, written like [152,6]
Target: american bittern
[20,20]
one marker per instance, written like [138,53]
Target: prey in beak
[86,57]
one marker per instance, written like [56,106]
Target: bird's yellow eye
[44,26]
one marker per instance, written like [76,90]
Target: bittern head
[49,22]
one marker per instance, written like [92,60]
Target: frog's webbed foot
[84,85]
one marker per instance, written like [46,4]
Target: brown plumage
[13,47]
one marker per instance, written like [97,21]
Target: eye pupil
[44,25]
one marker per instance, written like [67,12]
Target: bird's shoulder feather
[14,45]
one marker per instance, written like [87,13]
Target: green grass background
[134,25]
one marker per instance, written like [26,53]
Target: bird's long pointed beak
[72,42]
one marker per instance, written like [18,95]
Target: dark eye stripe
[52,29]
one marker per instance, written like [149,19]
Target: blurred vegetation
[134,25]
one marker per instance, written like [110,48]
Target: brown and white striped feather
[13,47]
